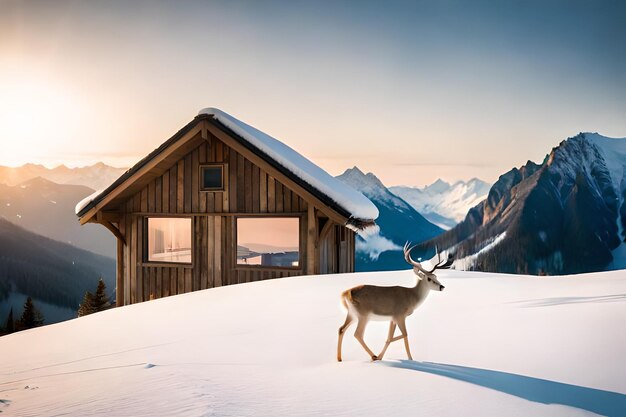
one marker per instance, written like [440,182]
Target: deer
[372,302]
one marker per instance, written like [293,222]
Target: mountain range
[398,222]
[97,176]
[47,208]
[442,203]
[565,215]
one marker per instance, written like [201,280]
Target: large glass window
[268,241]
[169,239]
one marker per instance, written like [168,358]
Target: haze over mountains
[565,215]
[95,176]
[47,208]
[44,252]
[55,274]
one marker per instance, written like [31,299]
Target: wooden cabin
[222,203]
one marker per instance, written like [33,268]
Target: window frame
[300,267]
[145,255]
[223,166]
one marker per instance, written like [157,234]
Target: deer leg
[402,326]
[358,334]
[342,330]
[392,329]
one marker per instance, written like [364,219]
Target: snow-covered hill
[442,203]
[487,345]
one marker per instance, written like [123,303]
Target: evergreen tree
[10,327]
[101,302]
[92,303]
[87,306]
[31,317]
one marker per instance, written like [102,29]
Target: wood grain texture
[249,190]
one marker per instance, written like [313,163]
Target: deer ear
[418,274]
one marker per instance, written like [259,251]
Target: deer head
[428,274]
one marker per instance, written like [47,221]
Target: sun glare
[36,117]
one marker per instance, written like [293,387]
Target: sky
[412,91]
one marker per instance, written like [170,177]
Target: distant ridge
[50,271]
[96,176]
[47,208]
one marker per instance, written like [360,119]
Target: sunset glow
[37,119]
[412,92]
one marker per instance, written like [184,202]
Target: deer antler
[407,257]
[438,265]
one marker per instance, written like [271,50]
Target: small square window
[212,177]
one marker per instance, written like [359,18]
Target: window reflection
[268,241]
[169,240]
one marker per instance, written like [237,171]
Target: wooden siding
[248,190]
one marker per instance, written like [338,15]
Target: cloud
[372,243]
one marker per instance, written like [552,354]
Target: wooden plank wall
[337,251]
[248,189]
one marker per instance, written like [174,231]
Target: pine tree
[10,327]
[100,301]
[87,306]
[92,303]
[31,317]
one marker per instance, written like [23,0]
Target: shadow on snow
[606,403]
[546,302]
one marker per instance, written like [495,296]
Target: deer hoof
[375,358]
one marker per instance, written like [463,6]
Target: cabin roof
[349,203]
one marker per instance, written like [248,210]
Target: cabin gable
[174,189]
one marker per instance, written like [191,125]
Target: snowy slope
[442,203]
[614,154]
[488,345]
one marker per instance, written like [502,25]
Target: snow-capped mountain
[566,215]
[398,222]
[95,176]
[442,203]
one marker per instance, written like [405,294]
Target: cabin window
[268,241]
[169,240]
[212,177]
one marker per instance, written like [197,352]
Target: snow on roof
[85,201]
[345,196]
